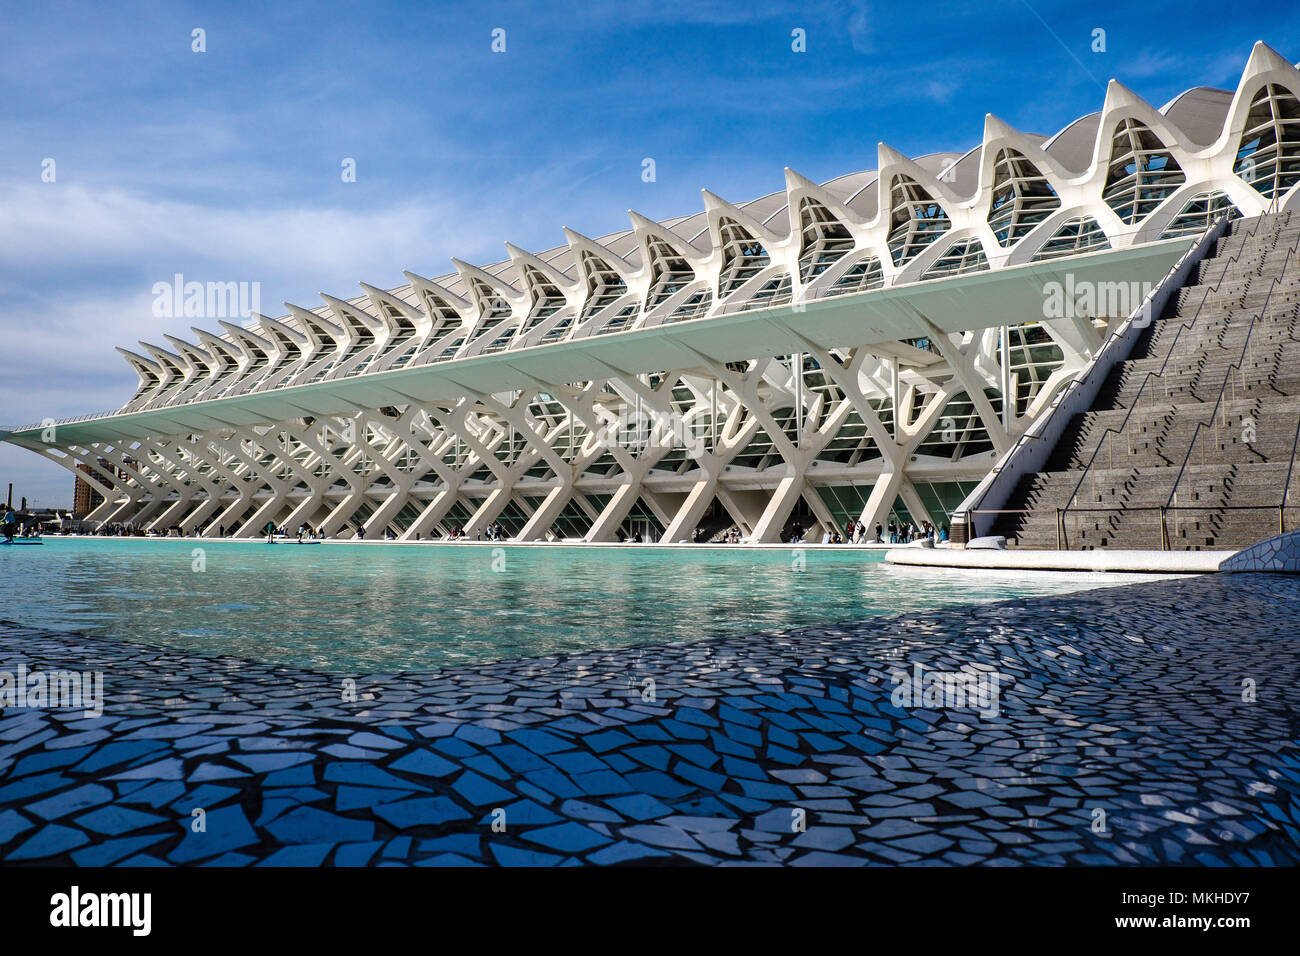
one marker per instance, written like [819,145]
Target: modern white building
[839,351]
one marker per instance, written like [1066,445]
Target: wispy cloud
[860,28]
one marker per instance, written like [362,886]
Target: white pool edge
[1122,560]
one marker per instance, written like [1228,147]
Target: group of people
[857,532]
[493,532]
[731,536]
[120,531]
[305,531]
[907,532]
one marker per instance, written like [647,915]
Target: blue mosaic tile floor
[1150,724]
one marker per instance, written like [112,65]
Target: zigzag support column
[352,500]
[70,459]
[151,501]
[174,478]
[317,485]
[883,495]
[893,455]
[744,507]
[279,499]
[215,527]
[246,489]
[147,486]
[610,519]
[399,446]
[363,447]
[540,521]
[431,456]
[282,446]
[634,467]
[337,466]
[279,487]
[112,503]
[738,432]
[579,407]
[498,497]
[187,476]
[795,485]
[654,501]
[961,357]
[131,486]
[252,466]
[205,509]
[539,444]
[385,460]
[697,500]
[767,529]
[712,465]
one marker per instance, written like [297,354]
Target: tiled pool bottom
[1126,702]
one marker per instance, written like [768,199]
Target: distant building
[85,497]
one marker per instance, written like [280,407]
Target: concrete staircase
[1190,442]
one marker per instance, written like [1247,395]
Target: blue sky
[225,165]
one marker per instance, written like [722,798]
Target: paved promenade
[1147,724]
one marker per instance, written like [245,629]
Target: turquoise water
[380,608]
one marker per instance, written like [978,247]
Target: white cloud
[78,270]
[47,228]
[861,28]
[78,265]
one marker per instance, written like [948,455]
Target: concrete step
[1243,431]
[1190,442]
